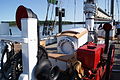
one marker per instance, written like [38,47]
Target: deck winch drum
[66,44]
[68,41]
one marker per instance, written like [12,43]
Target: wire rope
[45,23]
[118,9]
[75,12]
[105,6]
[108,6]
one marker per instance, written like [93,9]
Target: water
[16,31]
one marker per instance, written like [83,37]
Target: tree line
[13,23]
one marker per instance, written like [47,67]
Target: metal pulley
[63,12]
[58,11]
[23,12]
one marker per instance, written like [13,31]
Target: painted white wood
[29,49]
[4,28]
[68,44]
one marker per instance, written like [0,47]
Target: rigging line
[83,15]
[52,12]
[60,3]
[74,12]
[54,23]
[108,6]
[105,5]
[45,23]
[47,11]
[50,24]
[118,9]
[65,8]
[55,18]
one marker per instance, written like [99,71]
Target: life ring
[66,46]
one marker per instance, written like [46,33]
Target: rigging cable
[54,23]
[108,6]
[52,12]
[118,9]
[55,17]
[60,3]
[74,12]
[105,6]
[83,15]
[51,19]
[67,5]
[51,22]
[45,23]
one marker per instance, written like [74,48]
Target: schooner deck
[52,49]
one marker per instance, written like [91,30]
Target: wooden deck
[116,68]
[51,49]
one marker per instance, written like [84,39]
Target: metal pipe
[112,8]
[107,27]
[109,65]
[60,21]
[106,41]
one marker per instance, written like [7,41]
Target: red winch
[97,59]
[90,54]
[94,62]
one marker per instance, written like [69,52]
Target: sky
[8,8]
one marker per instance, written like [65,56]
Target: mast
[90,1]
[112,9]
[90,11]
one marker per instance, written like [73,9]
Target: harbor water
[16,31]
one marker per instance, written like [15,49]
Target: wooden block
[43,43]
[63,57]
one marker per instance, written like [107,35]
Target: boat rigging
[79,55]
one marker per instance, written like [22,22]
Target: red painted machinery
[97,59]
[90,55]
